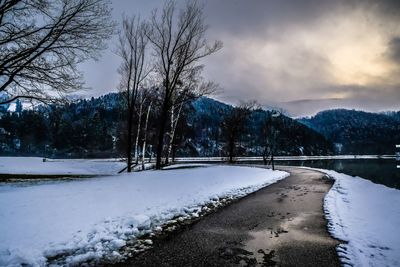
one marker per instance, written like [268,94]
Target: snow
[366,216]
[68,223]
[35,165]
[25,106]
[186,165]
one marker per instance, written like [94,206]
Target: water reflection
[381,171]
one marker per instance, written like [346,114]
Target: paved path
[280,225]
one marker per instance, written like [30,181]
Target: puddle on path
[266,242]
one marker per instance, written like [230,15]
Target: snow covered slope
[35,165]
[92,218]
[367,216]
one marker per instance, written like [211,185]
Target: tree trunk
[138,134]
[272,161]
[173,153]
[265,155]
[145,134]
[170,135]
[231,148]
[161,132]
[129,145]
[174,123]
[151,153]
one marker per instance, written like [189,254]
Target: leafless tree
[133,71]
[42,41]
[145,98]
[192,88]
[179,44]
[233,126]
[270,133]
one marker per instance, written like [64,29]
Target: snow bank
[186,165]
[367,216]
[84,220]
[35,165]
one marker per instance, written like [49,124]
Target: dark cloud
[387,8]
[261,18]
[359,97]
[394,49]
[278,52]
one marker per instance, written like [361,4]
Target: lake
[381,171]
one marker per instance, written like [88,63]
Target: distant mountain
[358,132]
[206,105]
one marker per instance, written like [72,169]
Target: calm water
[381,171]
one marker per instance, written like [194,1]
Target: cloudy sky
[302,56]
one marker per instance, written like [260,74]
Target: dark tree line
[75,130]
[250,131]
[93,128]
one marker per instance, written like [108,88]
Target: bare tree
[145,97]
[179,44]
[192,88]
[270,134]
[233,126]
[42,41]
[133,71]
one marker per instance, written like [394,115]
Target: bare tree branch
[134,70]
[179,44]
[43,41]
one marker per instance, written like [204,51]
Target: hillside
[358,132]
[293,137]
[92,128]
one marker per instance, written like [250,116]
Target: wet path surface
[280,225]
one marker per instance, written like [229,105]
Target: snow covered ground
[35,165]
[88,219]
[367,216]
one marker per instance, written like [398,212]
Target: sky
[299,56]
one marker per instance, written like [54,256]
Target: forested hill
[293,138]
[358,132]
[393,114]
[95,127]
